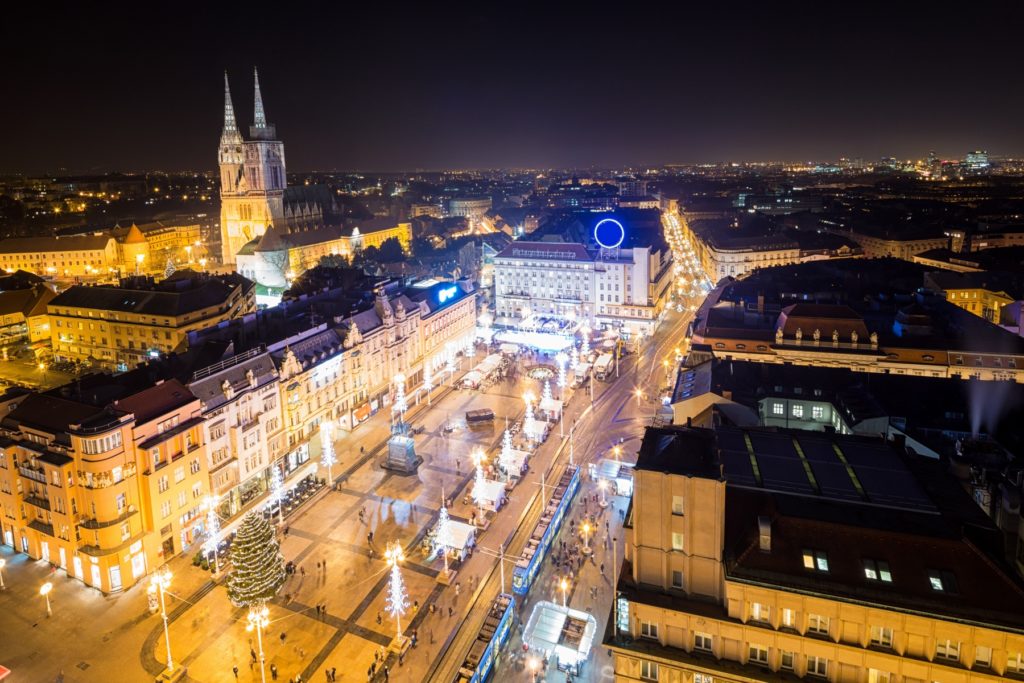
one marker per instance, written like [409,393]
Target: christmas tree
[257,568]
[443,537]
[506,451]
[397,599]
[327,458]
[546,394]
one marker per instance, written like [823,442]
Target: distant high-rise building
[977,160]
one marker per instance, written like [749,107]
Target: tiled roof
[23,245]
[156,401]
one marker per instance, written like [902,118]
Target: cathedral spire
[260,118]
[229,111]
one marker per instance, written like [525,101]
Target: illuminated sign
[447,293]
[609,233]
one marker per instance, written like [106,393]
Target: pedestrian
[602,569]
[302,570]
[379,619]
[450,610]
[234,670]
[273,672]
[387,673]
[325,566]
[283,636]
[458,588]
[318,567]
[334,671]
[252,655]
[286,532]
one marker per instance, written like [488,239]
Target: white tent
[515,462]
[463,537]
[472,379]
[535,429]
[493,494]
[566,634]
[552,407]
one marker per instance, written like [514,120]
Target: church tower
[252,175]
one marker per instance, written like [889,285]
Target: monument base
[402,456]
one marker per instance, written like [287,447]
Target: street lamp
[159,583]
[44,590]
[617,450]
[639,394]
[258,619]
[139,258]
[602,484]
[586,529]
[3,563]
[564,585]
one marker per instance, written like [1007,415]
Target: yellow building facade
[728,583]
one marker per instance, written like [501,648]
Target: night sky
[392,88]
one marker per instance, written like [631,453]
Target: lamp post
[586,529]
[258,619]
[617,450]
[639,395]
[158,583]
[602,484]
[212,529]
[139,258]
[44,590]
[564,585]
[3,563]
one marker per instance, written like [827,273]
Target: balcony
[41,527]
[37,501]
[93,523]
[35,475]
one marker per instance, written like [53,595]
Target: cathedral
[269,231]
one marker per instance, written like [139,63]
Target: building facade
[116,327]
[731,578]
[623,288]
[84,256]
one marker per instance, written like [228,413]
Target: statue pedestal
[402,456]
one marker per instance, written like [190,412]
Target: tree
[257,567]
[391,251]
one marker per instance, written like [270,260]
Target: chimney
[764,528]
[760,303]
[689,421]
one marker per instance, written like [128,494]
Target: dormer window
[942,581]
[877,570]
[815,560]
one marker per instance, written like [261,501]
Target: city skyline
[486,89]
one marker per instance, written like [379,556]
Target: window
[877,570]
[703,678]
[948,649]
[817,666]
[162,485]
[677,505]
[165,509]
[703,642]
[648,670]
[881,636]
[876,676]
[179,475]
[193,467]
[182,499]
[983,656]
[788,618]
[648,629]
[677,579]
[759,612]
[798,411]
[677,540]
[778,409]
[758,655]
[816,560]
[818,412]
[1015,662]
[126,531]
[817,624]
[942,581]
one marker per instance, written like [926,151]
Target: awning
[362,412]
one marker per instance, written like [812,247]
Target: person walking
[234,670]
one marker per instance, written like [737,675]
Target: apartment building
[242,426]
[89,256]
[756,555]
[116,327]
[105,493]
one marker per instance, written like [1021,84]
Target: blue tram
[536,550]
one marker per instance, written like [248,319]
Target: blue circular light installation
[609,233]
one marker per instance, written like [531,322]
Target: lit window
[1015,662]
[778,409]
[881,636]
[758,655]
[816,623]
[983,656]
[759,612]
[677,505]
[942,581]
[948,649]
[703,678]
[788,618]
[877,570]
[815,560]
[677,540]
[798,411]
[818,412]
[876,676]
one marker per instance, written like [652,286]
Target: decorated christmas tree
[277,496]
[546,394]
[327,458]
[257,568]
[169,268]
[397,601]
[443,537]
[505,458]
[574,357]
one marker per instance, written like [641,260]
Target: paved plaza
[92,637]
